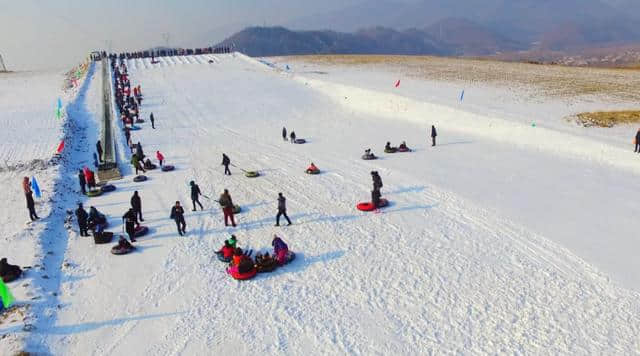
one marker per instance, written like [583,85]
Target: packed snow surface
[501,239]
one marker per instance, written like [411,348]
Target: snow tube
[116,250]
[251,174]
[140,178]
[243,276]
[140,231]
[237,209]
[108,188]
[368,206]
[102,237]
[391,150]
[221,258]
[102,183]
[94,193]
[139,121]
[134,128]
[300,141]
[404,149]
[150,167]
[317,171]
[369,157]
[168,168]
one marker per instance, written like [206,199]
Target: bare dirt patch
[608,118]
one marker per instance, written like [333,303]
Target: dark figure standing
[99,149]
[136,205]
[227,208]
[284,133]
[433,135]
[637,142]
[226,162]
[130,223]
[282,209]
[177,214]
[82,217]
[153,121]
[82,181]
[127,135]
[31,205]
[377,181]
[139,152]
[375,198]
[293,137]
[195,193]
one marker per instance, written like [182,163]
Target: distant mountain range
[460,28]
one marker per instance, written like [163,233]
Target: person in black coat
[9,271]
[433,135]
[177,214]
[153,121]
[31,205]
[226,162]
[195,193]
[82,181]
[377,181]
[139,152]
[375,198]
[637,142]
[130,223]
[99,149]
[82,217]
[282,209]
[284,133]
[293,137]
[136,205]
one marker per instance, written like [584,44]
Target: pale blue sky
[35,34]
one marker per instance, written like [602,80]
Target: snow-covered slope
[459,263]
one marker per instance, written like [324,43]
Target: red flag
[60,147]
[398,83]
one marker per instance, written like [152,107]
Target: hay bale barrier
[608,118]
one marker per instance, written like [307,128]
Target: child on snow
[280,249]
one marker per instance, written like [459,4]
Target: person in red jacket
[160,158]
[227,250]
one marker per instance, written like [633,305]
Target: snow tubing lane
[108,188]
[102,238]
[140,231]
[140,178]
[368,206]
[168,168]
[404,149]
[221,258]
[244,276]
[94,193]
[369,157]
[122,251]
[251,174]
[317,171]
[300,141]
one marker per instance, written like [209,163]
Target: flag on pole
[398,83]
[462,95]
[5,294]
[60,147]
[59,109]
[35,187]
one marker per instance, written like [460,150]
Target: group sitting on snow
[242,266]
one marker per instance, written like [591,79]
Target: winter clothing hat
[233,240]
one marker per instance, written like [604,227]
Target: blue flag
[59,104]
[462,95]
[35,187]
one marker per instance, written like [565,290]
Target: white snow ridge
[502,239]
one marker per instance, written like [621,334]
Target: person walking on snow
[284,133]
[293,137]
[177,214]
[31,205]
[136,205]
[433,135]
[195,193]
[226,162]
[99,149]
[82,217]
[282,209]
[152,121]
[130,223]
[227,208]
[637,149]
[82,181]
[160,158]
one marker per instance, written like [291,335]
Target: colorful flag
[5,294]
[398,83]
[60,147]
[35,187]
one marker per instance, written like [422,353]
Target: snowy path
[435,272]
